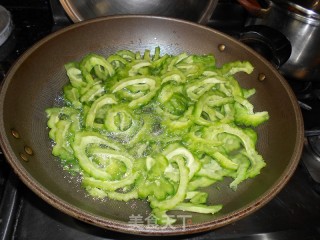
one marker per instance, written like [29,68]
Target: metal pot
[299,21]
[198,11]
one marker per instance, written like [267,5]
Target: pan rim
[125,227]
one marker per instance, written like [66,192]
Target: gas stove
[293,214]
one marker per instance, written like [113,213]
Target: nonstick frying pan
[35,82]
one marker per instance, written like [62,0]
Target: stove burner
[305,90]
[5,24]
[311,157]
[314,143]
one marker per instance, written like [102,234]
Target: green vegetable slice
[256,160]
[152,84]
[82,141]
[198,208]
[181,192]
[99,103]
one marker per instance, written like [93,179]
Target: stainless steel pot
[299,21]
[198,11]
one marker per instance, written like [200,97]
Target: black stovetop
[293,214]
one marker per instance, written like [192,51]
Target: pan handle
[208,12]
[268,42]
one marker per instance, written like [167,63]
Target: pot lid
[5,24]
[309,8]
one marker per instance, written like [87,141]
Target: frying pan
[35,82]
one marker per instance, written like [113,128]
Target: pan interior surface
[35,83]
